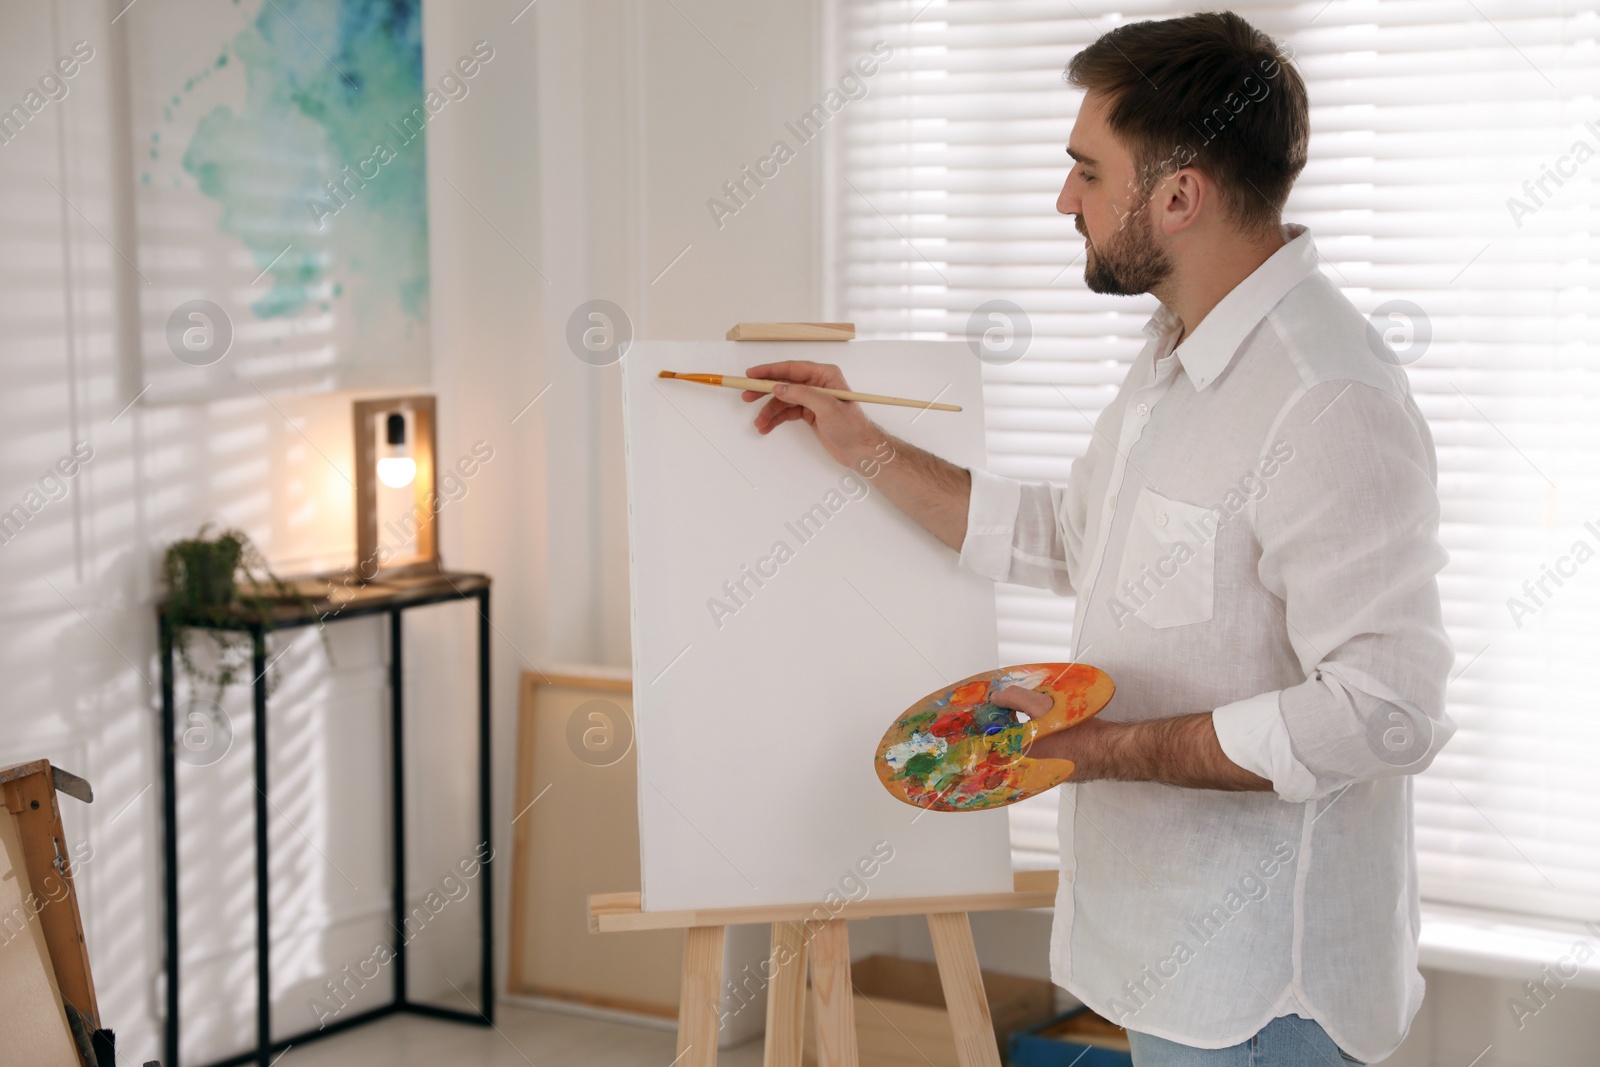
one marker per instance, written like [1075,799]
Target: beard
[1129,262]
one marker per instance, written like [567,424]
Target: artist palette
[955,750]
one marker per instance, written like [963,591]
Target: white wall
[602,187]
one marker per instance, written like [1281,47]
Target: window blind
[1453,158]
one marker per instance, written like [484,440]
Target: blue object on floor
[1046,1046]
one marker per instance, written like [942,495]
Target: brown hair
[1209,91]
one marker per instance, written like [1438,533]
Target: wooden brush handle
[765,385]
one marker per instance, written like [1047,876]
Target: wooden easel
[822,945]
[38,864]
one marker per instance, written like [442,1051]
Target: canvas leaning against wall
[280,198]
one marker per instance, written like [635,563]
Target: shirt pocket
[1168,572]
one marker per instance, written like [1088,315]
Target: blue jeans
[1287,1041]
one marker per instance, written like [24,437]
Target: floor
[522,1037]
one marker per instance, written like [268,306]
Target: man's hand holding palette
[957,750]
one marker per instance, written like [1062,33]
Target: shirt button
[1161,519]
[1143,410]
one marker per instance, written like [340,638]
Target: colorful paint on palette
[955,750]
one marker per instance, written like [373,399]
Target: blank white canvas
[757,723]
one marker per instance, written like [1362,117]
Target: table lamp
[394,438]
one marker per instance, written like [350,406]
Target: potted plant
[211,578]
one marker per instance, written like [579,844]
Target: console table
[389,597]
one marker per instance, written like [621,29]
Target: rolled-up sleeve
[1252,734]
[1348,531]
[1028,533]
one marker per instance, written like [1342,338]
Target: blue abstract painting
[280,178]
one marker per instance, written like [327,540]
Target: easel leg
[963,990]
[700,996]
[786,996]
[834,996]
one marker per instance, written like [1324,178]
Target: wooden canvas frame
[365,415]
[542,865]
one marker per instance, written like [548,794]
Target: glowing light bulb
[396,468]
[397,472]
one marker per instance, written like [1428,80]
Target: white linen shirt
[1252,531]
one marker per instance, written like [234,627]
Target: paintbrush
[764,385]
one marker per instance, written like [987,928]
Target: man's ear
[1180,199]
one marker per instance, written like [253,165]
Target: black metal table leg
[169,826]
[398,800]
[258,646]
[485,799]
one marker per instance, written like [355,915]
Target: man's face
[1124,257]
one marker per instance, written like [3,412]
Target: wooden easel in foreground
[823,945]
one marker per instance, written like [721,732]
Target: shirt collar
[1206,352]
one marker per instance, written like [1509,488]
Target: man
[1252,540]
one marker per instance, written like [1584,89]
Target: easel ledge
[813,934]
[617,912]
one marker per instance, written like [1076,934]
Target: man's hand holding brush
[929,489]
